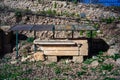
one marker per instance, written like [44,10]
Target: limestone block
[78,59]
[38,56]
[52,58]
[84,47]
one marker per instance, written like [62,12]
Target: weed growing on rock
[107,67]
[30,39]
[53,64]
[57,70]
[55,5]
[115,56]
[88,61]
[80,73]
[107,78]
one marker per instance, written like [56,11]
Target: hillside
[103,64]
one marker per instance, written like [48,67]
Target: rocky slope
[61,9]
[92,12]
[105,66]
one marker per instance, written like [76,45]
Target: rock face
[38,56]
[111,52]
[91,11]
[94,64]
[110,61]
[118,61]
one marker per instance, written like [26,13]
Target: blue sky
[105,2]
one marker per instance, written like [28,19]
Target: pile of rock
[91,11]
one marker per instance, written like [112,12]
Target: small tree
[18,15]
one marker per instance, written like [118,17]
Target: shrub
[88,61]
[84,67]
[39,1]
[81,32]
[80,73]
[75,1]
[72,14]
[50,12]
[30,39]
[101,59]
[93,69]
[55,5]
[42,12]
[108,20]
[100,52]
[28,71]
[18,13]
[53,64]
[96,26]
[27,11]
[94,34]
[115,73]
[116,56]
[57,70]
[107,78]
[59,79]
[24,51]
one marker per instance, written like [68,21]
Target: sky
[104,2]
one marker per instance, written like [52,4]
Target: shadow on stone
[96,46]
[8,42]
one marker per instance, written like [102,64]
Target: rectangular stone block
[52,58]
[78,59]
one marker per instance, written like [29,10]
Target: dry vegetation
[106,68]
